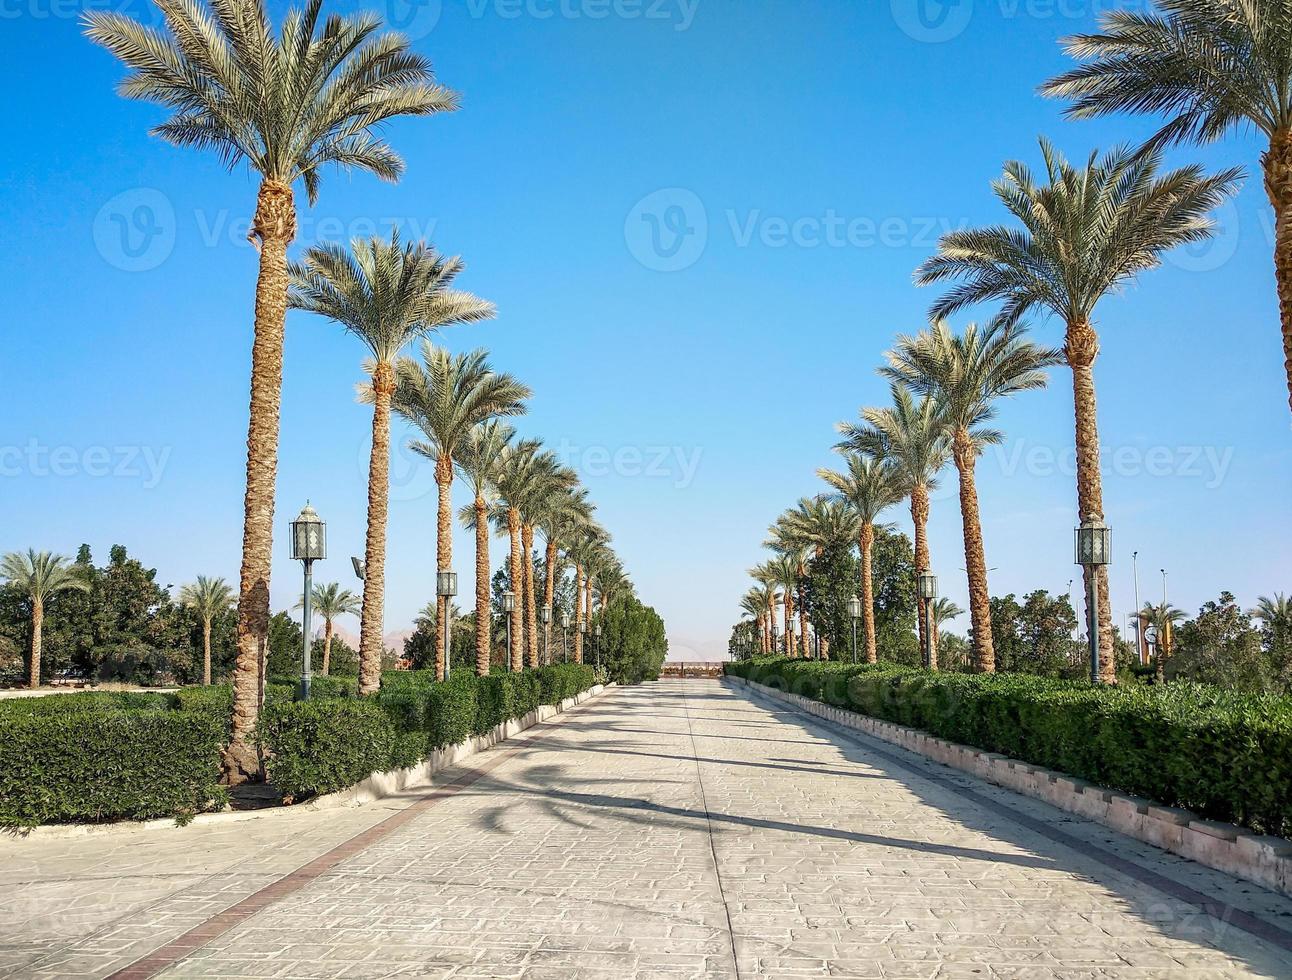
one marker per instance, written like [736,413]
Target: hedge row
[327,744]
[1224,755]
[108,764]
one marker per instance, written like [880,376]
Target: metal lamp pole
[546,613]
[1093,549]
[928,585]
[446,586]
[309,544]
[508,607]
[565,637]
[854,611]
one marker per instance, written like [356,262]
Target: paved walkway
[678,829]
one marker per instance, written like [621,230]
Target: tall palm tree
[967,374]
[288,106]
[564,514]
[871,486]
[784,571]
[387,294]
[808,528]
[331,602]
[598,561]
[208,598]
[38,575]
[1085,233]
[914,436]
[751,603]
[547,479]
[446,396]
[1274,611]
[478,460]
[584,553]
[518,470]
[1211,67]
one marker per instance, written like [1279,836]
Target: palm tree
[784,571]
[38,575]
[871,486]
[331,601]
[478,460]
[966,374]
[208,598]
[1163,618]
[1273,611]
[564,514]
[584,552]
[547,478]
[387,294]
[446,396]
[1211,66]
[287,106]
[517,471]
[751,603]
[914,437]
[1085,233]
[809,527]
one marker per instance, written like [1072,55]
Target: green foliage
[1221,646]
[1222,754]
[831,581]
[893,575]
[85,702]
[91,761]
[1036,636]
[633,644]
[335,741]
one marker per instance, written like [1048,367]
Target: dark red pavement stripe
[217,925]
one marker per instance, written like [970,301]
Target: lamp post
[596,645]
[928,584]
[446,587]
[583,632]
[508,607]
[854,612]
[565,636]
[791,625]
[1093,549]
[546,614]
[309,544]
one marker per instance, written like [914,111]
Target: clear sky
[698,219]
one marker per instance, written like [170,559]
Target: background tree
[1275,614]
[1211,66]
[478,460]
[387,294]
[287,106]
[633,643]
[967,373]
[1034,637]
[895,598]
[208,598]
[831,582]
[1222,647]
[1086,232]
[331,602]
[38,576]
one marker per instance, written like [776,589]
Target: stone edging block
[1225,847]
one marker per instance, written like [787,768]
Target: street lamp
[791,626]
[309,544]
[508,607]
[1093,548]
[854,612]
[928,585]
[546,614]
[446,587]
[565,636]
[596,645]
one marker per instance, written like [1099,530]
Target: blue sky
[699,221]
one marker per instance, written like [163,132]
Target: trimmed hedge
[328,744]
[110,765]
[1224,755]
[81,702]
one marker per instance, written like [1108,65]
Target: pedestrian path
[676,829]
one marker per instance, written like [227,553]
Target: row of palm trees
[288,104]
[1075,235]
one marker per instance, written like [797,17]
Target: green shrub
[113,765]
[84,702]
[1222,754]
[451,710]
[325,745]
[560,681]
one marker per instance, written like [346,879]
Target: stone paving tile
[680,829]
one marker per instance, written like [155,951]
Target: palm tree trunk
[443,553]
[328,633]
[866,547]
[920,517]
[484,620]
[966,456]
[578,614]
[1277,164]
[37,629]
[531,608]
[1081,348]
[549,591]
[513,531]
[274,226]
[206,651]
[371,642]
